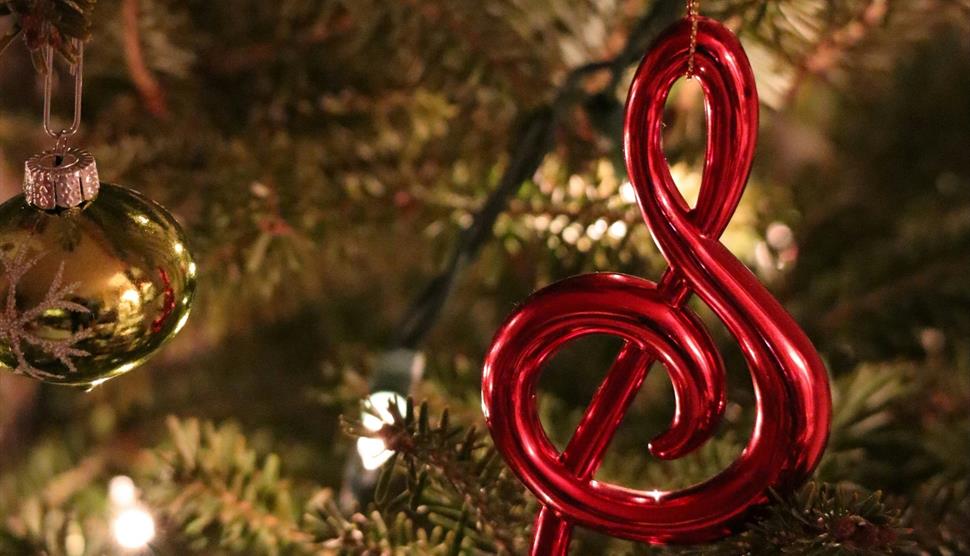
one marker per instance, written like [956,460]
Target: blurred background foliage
[336,165]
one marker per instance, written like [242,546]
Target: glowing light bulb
[121,491]
[74,543]
[627,193]
[596,230]
[373,452]
[617,229]
[133,528]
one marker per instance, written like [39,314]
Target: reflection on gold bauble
[89,293]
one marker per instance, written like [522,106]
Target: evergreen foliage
[361,177]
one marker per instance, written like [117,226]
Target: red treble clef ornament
[790,381]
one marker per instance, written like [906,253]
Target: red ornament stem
[790,382]
[588,444]
[586,448]
[551,535]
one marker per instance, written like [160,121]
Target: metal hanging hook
[62,135]
[62,177]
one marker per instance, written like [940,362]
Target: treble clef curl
[790,382]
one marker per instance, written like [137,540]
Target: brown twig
[151,92]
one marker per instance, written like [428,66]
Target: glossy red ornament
[790,381]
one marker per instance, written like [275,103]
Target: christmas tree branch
[528,148]
[219,493]
[820,518]
[449,472]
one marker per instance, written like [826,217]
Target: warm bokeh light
[627,193]
[122,491]
[373,452]
[133,528]
[131,296]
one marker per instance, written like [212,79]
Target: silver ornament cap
[60,179]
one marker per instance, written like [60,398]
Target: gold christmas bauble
[90,292]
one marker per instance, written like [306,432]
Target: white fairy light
[133,528]
[596,230]
[617,230]
[121,491]
[541,222]
[373,452]
[577,186]
[572,233]
[627,193]
[74,542]
[558,223]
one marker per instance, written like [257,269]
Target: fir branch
[366,534]
[938,516]
[450,471]
[863,416]
[49,502]
[825,516]
[219,493]
[819,519]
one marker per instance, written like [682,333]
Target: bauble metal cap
[60,179]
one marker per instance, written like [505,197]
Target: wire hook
[61,136]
